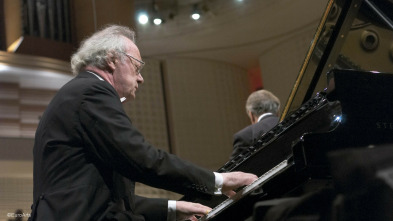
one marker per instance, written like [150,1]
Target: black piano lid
[352,34]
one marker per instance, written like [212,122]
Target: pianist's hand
[234,180]
[188,211]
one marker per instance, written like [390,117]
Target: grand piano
[342,99]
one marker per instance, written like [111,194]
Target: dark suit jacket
[87,156]
[250,134]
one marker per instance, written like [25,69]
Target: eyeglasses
[138,68]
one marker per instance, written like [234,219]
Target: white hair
[100,47]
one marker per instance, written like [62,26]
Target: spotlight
[143,18]
[195,16]
[156,14]
[195,13]
[157,21]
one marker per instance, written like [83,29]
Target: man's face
[125,76]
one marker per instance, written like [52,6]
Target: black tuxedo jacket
[87,156]
[250,134]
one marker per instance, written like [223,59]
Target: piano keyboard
[246,190]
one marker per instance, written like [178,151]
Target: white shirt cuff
[171,210]
[219,182]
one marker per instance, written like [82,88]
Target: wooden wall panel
[206,107]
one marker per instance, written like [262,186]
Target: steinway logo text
[385,125]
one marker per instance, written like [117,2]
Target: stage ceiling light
[143,18]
